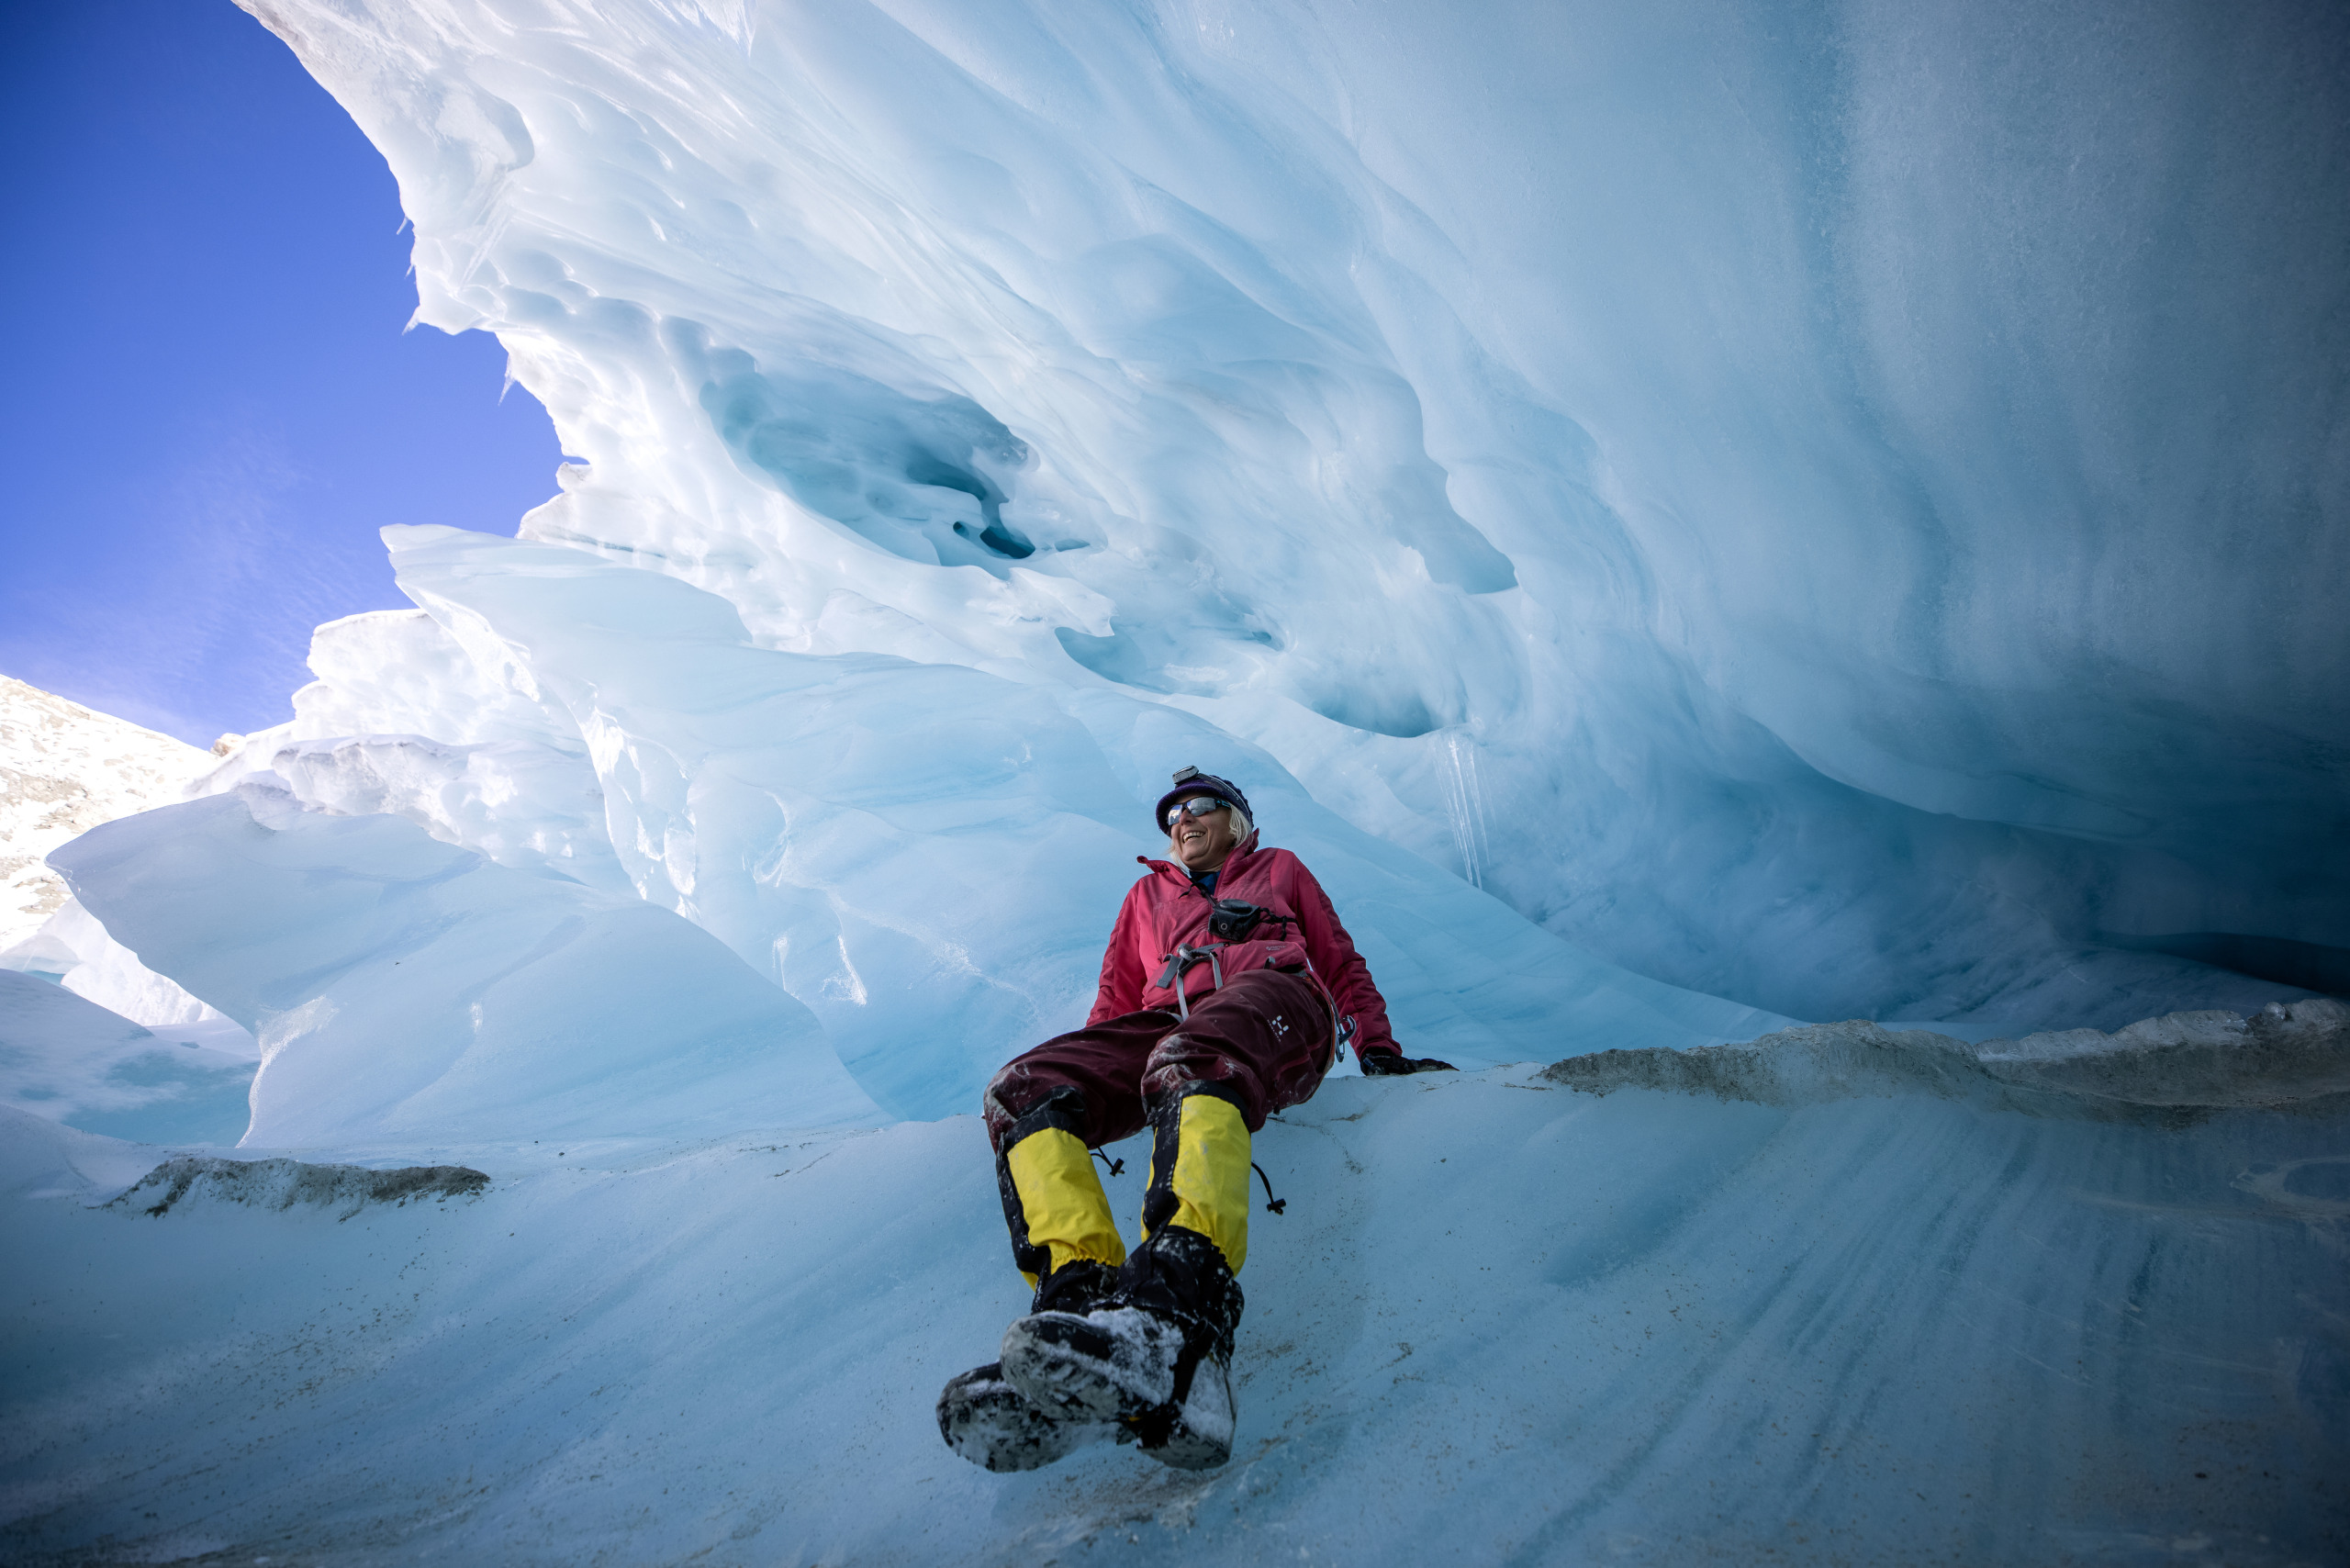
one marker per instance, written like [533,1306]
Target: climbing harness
[1178,963]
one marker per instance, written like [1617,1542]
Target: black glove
[1384,1064]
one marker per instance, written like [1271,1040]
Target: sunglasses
[1195,806]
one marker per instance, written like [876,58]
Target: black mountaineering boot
[1078,1285]
[1156,1357]
[992,1424]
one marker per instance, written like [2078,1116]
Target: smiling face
[1201,843]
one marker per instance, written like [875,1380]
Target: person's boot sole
[1072,1366]
[1082,1367]
[1168,1435]
[986,1419]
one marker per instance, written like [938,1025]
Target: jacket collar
[1241,854]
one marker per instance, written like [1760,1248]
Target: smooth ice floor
[1500,1322]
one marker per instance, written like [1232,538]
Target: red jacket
[1167,909]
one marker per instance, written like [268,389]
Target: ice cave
[1784,565]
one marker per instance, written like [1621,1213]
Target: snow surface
[44,1159]
[1499,1322]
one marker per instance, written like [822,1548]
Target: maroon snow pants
[1263,1040]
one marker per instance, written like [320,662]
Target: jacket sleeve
[1340,967]
[1122,973]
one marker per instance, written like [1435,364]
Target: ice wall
[926,855]
[404,991]
[1839,509]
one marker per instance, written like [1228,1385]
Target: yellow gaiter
[1061,1206]
[1202,1183]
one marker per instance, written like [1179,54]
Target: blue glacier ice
[1697,523]
[1883,470]
[69,1061]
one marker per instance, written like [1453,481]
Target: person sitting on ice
[1228,989]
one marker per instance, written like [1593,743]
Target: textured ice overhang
[925,856]
[403,989]
[1843,510]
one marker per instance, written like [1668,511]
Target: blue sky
[210,405]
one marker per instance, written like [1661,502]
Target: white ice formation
[983,409]
[1844,513]
[926,855]
[403,989]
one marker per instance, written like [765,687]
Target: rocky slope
[65,768]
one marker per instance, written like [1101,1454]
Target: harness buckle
[1178,964]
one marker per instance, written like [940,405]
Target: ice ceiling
[1837,508]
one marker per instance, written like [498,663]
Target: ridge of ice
[403,989]
[927,856]
[280,1184]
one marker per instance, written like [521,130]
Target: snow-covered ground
[1501,1321]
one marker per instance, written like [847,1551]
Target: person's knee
[1237,1046]
[1020,1103]
[1178,1060]
[1010,1095]
[1184,1074]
